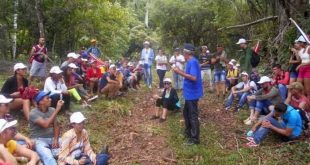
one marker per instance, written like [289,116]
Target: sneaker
[161,120]
[246,120]
[154,117]
[237,109]
[191,142]
[249,122]
[227,108]
[105,149]
[150,86]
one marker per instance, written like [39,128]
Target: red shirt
[282,78]
[93,73]
[37,52]
[303,99]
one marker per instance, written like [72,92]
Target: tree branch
[250,23]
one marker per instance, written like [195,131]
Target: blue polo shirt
[192,90]
[293,120]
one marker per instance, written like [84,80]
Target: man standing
[192,91]
[205,60]
[94,49]
[245,60]
[147,56]
[38,60]
[178,61]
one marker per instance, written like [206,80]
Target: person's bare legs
[19,103]
[91,87]
[164,115]
[307,87]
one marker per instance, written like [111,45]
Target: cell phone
[60,97]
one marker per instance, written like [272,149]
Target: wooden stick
[238,150]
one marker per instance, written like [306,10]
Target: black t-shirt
[10,86]
[104,81]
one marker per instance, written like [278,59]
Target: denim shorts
[293,74]
[219,76]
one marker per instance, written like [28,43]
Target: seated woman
[13,88]
[6,158]
[232,75]
[168,100]
[7,132]
[75,146]
[75,89]
[55,84]
[109,85]
[4,114]
[93,75]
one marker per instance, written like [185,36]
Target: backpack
[255,59]
[304,119]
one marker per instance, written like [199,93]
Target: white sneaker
[246,120]
[249,122]
[93,98]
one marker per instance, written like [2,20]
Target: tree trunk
[14,38]
[39,17]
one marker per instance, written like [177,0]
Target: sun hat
[77,117]
[72,65]
[56,70]
[4,100]
[168,80]
[19,66]
[241,41]
[93,40]
[264,79]
[5,124]
[40,96]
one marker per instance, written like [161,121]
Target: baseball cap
[231,63]
[241,41]
[112,66]
[168,80]
[244,73]
[204,46]
[19,66]
[77,117]
[264,79]
[56,70]
[41,95]
[73,55]
[130,64]
[295,85]
[301,39]
[72,65]
[146,43]
[93,40]
[4,100]
[5,124]
[189,47]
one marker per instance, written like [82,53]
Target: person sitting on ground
[243,89]
[289,128]
[44,128]
[130,76]
[13,88]
[120,78]
[168,100]
[232,75]
[139,72]
[93,75]
[297,99]
[8,131]
[254,76]
[259,102]
[281,79]
[4,114]
[71,58]
[55,84]
[75,89]
[6,158]
[75,146]
[108,85]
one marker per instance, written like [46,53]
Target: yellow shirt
[11,146]
[232,73]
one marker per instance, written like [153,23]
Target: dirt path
[136,138]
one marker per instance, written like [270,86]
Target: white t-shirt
[242,85]
[161,59]
[178,62]
[54,87]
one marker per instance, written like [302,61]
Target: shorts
[38,69]
[219,76]
[293,74]
[304,72]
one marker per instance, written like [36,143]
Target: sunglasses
[167,83]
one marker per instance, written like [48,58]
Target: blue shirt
[94,50]
[147,56]
[192,90]
[293,120]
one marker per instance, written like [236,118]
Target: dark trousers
[65,98]
[190,114]
[161,76]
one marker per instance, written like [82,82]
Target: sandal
[251,144]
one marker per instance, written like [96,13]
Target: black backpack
[304,119]
[255,59]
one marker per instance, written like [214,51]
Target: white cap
[72,65]
[84,59]
[241,41]
[4,100]
[73,55]
[264,79]
[19,66]
[55,69]
[168,80]
[237,65]
[112,66]
[204,46]
[130,64]
[231,63]
[301,39]
[233,60]
[77,117]
[5,124]
[245,74]
[146,43]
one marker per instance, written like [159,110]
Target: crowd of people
[83,77]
